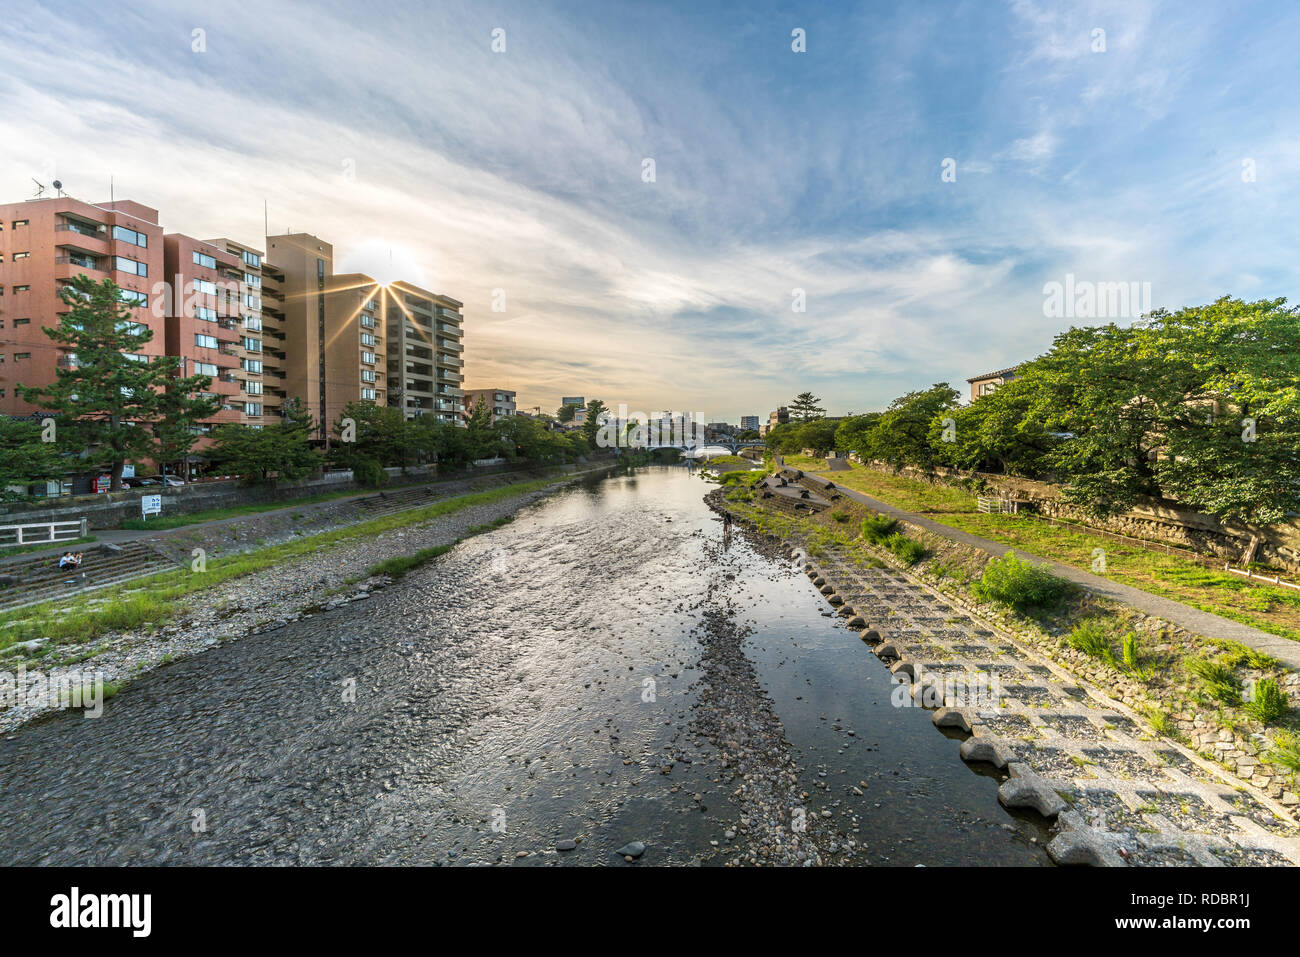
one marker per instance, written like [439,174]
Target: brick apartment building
[267,327]
[500,401]
[44,243]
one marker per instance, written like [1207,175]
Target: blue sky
[521,170]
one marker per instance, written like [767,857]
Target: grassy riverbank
[1272,609]
[157,599]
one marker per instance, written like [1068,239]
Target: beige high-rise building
[501,402]
[425,368]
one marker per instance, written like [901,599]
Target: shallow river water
[535,684]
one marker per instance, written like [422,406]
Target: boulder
[982,750]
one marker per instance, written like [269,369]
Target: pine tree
[804,408]
[105,399]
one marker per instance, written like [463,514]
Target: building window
[252,324]
[132,298]
[252,345]
[253,388]
[203,259]
[205,286]
[252,259]
[23,288]
[367,339]
[18,256]
[19,222]
[21,355]
[367,393]
[367,375]
[122,264]
[251,365]
[130,236]
[368,357]
[205,368]
[252,408]
[21,322]
[250,279]
[205,313]
[367,322]
[205,342]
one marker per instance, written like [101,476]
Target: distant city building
[780,417]
[749,423]
[500,401]
[990,381]
[573,400]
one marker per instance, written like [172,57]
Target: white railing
[41,533]
[997,506]
[1266,579]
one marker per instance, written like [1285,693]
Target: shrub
[909,552]
[1268,703]
[1021,584]
[877,528]
[369,472]
[1216,680]
[841,517]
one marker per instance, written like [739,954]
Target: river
[537,684]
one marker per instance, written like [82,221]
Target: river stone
[834,599]
[827,588]
[982,750]
[950,718]
[857,621]
[1026,789]
[888,650]
[631,849]
[871,636]
[566,845]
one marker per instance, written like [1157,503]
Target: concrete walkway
[1193,619]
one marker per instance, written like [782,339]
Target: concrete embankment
[1116,792]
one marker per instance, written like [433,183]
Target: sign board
[103,483]
[150,505]
[128,471]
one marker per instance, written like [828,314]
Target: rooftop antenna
[266,223]
[40,189]
[58,187]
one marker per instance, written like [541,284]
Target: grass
[1267,607]
[158,598]
[399,565]
[1285,752]
[1268,702]
[1093,639]
[1215,679]
[724,462]
[806,463]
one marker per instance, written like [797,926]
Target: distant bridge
[710,449]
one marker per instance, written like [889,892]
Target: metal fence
[41,533]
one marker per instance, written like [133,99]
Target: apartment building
[331,328]
[425,364]
[500,401]
[749,423]
[44,243]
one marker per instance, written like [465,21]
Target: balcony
[83,229]
[451,362]
[449,376]
[83,262]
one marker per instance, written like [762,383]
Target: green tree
[856,434]
[591,425]
[805,408]
[24,457]
[282,451]
[382,435]
[902,435]
[565,413]
[106,398]
[182,405]
[483,441]
[1000,432]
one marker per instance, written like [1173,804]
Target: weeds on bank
[1021,585]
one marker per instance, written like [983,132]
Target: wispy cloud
[401,133]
